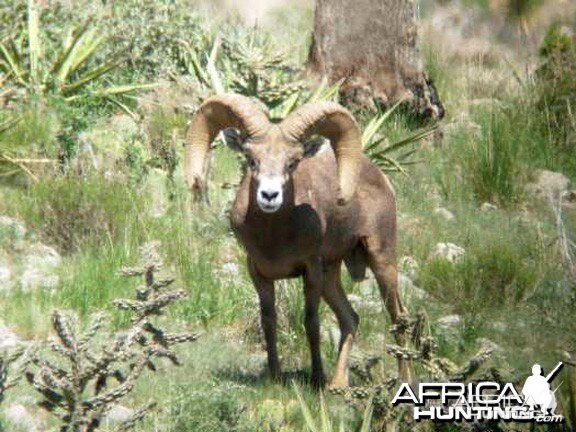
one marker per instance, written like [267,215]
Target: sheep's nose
[268,196]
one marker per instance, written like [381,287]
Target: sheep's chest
[280,243]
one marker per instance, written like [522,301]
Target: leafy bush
[490,161]
[495,277]
[28,141]
[73,213]
[154,33]
[209,408]
[557,87]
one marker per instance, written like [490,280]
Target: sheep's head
[273,151]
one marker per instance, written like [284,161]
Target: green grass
[510,286]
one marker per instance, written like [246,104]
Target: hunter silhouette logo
[537,392]
[485,400]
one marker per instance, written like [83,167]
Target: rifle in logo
[554,371]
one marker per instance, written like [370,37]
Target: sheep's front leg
[312,293]
[266,294]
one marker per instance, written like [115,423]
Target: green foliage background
[97,174]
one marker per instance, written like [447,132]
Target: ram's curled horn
[336,123]
[217,113]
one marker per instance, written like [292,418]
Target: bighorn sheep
[300,211]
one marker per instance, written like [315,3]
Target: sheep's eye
[252,164]
[292,165]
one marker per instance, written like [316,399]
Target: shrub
[28,144]
[164,129]
[495,277]
[73,213]
[153,32]
[493,163]
[209,408]
[557,88]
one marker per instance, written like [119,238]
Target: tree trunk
[371,44]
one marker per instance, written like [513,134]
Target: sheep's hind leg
[382,262]
[335,296]
[266,294]
[312,292]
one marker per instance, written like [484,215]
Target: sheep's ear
[235,139]
[313,144]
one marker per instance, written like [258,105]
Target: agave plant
[380,150]
[69,73]
[245,62]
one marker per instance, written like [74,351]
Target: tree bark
[371,44]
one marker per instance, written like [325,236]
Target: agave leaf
[410,139]
[325,92]
[289,104]
[88,46]
[34,46]
[387,162]
[90,76]
[406,155]
[331,93]
[319,90]
[308,418]
[376,123]
[21,166]
[9,123]
[374,144]
[367,417]
[214,51]
[192,57]
[122,89]
[213,74]
[123,107]
[14,66]
[68,39]
[63,66]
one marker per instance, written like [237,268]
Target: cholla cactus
[75,378]
[13,363]
[151,300]
[425,354]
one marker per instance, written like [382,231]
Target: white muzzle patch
[269,194]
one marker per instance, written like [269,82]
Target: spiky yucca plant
[75,377]
[391,156]
[244,61]
[69,72]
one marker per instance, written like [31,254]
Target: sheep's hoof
[318,381]
[336,384]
